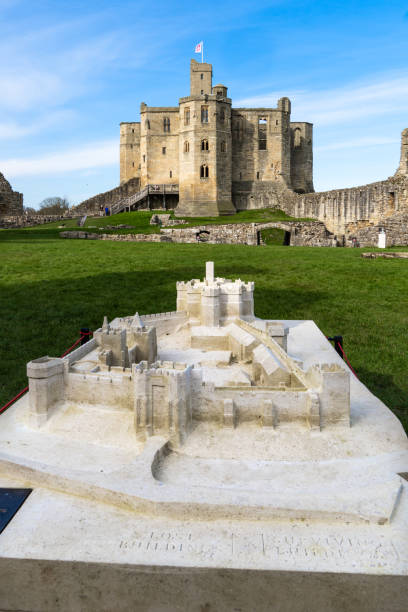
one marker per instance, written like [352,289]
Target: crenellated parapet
[215,301]
[126,344]
[162,395]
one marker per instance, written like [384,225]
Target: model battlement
[159,367]
[215,301]
[209,357]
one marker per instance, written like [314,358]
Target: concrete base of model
[203,460]
[46,586]
[68,554]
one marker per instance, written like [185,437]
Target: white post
[202,52]
[382,239]
[209,271]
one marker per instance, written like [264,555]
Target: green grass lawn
[51,287]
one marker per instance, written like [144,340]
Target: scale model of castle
[210,360]
[216,155]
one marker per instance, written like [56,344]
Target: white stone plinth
[204,460]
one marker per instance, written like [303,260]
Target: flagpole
[202,53]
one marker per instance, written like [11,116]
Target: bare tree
[54,206]
[29,210]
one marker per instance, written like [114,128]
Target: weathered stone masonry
[218,155]
[301,234]
[360,212]
[367,204]
[222,159]
[11,202]
[97,203]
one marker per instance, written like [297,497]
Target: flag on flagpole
[199,48]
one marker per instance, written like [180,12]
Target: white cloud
[44,67]
[29,88]
[92,155]
[356,143]
[13,130]
[386,94]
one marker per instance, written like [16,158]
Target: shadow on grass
[23,235]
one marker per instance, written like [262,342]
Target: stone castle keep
[205,158]
[218,156]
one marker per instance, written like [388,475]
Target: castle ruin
[217,157]
[206,158]
[11,202]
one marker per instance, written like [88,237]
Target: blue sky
[70,72]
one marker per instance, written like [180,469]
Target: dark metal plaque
[10,501]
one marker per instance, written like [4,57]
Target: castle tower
[403,167]
[200,78]
[301,166]
[205,159]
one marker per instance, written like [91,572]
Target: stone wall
[301,234]
[372,203]
[304,233]
[366,234]
[301,166]
[97,203]
[262,143]
[367,206]
[16,221]
[11,202]
[249,195]
[159,146]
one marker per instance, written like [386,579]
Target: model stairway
[131,201]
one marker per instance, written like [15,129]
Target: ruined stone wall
[304,233]
[261,143]
[301,165]
[28,220]
[248,195]
[11,202]
[395,226]
[301,234]
[97,203]
[369,204]
[234,233]
[403,166]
